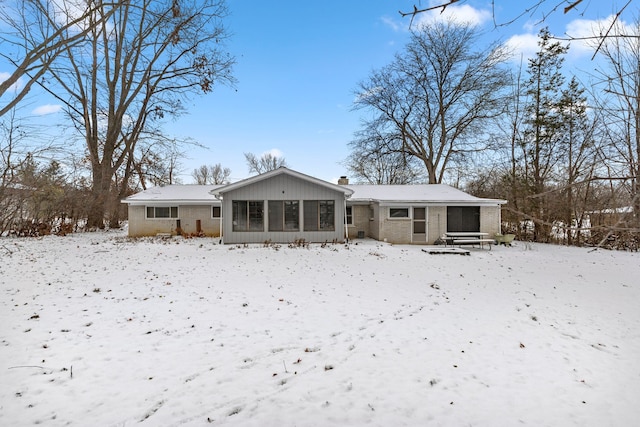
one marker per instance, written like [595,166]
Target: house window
[398,212]
[463,218]
[349,215]
[284,215]
[162,212]
[248,215]
[319,215]
[215,212]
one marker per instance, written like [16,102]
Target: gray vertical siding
[282,187]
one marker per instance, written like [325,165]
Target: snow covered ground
[97,329]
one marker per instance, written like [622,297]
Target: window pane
[215,212]
[256,216]
[174,212]
[463,218]
[327,215]
[275,215]
[162,212]
[419,213]
[398,212]
[310,215]
[349,215]
[419,227]
[150,212]
[239,215]
[291,215]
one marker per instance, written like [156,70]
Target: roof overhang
[174,202]
[479,202]
[219,192]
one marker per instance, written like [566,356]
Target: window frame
[286,216]
[213,211]
[316,206]
[174,212]
[348,213]
[398,208]
[251,207]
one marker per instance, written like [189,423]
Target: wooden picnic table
[468,238]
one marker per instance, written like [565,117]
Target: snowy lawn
[97,329]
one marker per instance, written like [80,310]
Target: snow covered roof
[282,171]
[192,194]
[386,194]
[431,193]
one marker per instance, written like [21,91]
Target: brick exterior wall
[140,226]
[490,219]
[395,230]
[361,221]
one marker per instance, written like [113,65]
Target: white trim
[280,171]
[401,218]
[170,207]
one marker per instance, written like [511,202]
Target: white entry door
[419,225]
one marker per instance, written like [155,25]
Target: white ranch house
[283,205]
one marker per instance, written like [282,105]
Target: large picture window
[248,215]
[319,215]
[284,215]
[463,218]
[162,212]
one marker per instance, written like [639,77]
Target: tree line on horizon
[444,110]
[563,155]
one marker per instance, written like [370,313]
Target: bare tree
[621,111]
[540,10]
[578,147]
[39,32]
[265,163]
[438,95]
[19,154]
[378,158]
[133,68]
[211,174]
[12,192]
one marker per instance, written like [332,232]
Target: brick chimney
[343,180]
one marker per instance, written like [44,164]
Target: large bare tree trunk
[136,66]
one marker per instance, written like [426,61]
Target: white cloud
[394,24]
[523,45]
[580,34]
[274,152]
[47,109]
[586,29]
[463,14]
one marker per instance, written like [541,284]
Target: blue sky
[298,64]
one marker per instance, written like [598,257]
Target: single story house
[283,205]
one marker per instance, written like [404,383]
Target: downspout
[221,219]
[346,229]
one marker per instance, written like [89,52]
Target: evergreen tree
[543,122]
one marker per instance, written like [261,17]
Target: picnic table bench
[459,238]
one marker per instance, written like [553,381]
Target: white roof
[417,193]
[282,170]
[386,194]
[184,194]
